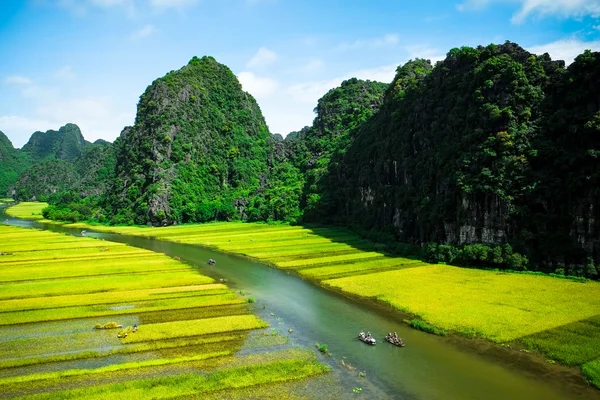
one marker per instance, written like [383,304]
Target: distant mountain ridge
[52,162]
[65,144]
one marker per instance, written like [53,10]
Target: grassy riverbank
[57,290]
[557,317]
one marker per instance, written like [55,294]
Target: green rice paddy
[55,289]
[552,316]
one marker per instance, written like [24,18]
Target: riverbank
[557,317]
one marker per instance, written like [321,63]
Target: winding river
[429,367]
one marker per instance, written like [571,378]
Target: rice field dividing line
[90,275]
[130,302]
[136,255]
[75,257]
[237,248]
[108,297]
[251,235]
[58,314]
[126,349]
[311,256]
[20,248]
[358,267]
[88,285]
[180,329]
[41,241]
[249,238]
[302,250]
[366,272]
[316,261]
[231,233]
[111,368]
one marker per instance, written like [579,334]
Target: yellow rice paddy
[58,288]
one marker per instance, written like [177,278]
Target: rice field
[58,293]
[28,210]
[556,317]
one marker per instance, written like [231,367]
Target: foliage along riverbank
[57,290]
[557,317]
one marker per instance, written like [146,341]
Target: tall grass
[591,371]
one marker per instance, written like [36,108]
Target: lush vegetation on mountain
[12,164]
[197,152]
[316,150]
[65,144]
[478,149]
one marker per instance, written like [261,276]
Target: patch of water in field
[429,367]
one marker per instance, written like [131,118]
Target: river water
[429,367]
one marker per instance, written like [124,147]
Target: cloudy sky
[88,61]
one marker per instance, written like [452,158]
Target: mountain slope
[197,152]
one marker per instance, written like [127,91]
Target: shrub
[425,327]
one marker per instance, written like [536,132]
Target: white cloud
[262,58]
[18,80]
[257,86]
[561,8]
[565,49]
[177,4]
[426,52]
[143,32]
[66,73]
[386,40]
[312,66]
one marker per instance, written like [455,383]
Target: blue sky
[88,61]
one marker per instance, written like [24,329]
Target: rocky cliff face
[465,152]
[197,150]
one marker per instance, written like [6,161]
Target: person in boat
[83,232]
[212,262]
[361,335]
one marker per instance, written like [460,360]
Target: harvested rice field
[84,318]
[556,317]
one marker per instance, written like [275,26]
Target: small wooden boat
[368,340]
[390,339]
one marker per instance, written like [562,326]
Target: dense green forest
[488,158]
[12,164]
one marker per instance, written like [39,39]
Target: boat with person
[367,338]
[394,339]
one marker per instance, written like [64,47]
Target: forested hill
[65,144]
[12,164]
[317,149]
[197,152]
[55,162]
[492,145]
